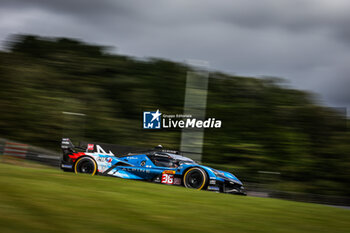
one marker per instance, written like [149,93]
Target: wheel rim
[194,179]
[86,167]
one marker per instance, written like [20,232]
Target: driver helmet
[159,147]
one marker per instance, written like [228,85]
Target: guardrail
[25,151]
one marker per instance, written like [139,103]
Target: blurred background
[272,137]
[283,137]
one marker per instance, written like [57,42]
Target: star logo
[152,120]
[156,115]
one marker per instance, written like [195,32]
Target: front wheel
[195,178]
[85,165]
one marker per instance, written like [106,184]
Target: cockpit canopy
[162,159]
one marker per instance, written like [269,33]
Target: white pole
[195,104]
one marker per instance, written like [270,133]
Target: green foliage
[266,125]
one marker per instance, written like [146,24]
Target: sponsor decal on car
[104,159]
[169,172]
[213,188]
[177,181]
[90,147]
[136,170]
[66,166]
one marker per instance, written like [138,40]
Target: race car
[157,165]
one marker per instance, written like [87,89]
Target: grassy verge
[48,200]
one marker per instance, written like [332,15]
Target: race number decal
[167,178]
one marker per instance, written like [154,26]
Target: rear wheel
[85,165]
[195,178]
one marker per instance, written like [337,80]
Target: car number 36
[167,178]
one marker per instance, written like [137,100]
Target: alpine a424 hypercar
[158,166]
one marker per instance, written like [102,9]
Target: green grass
[48,200]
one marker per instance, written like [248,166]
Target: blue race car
[158,166]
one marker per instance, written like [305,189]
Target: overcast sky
[304,41]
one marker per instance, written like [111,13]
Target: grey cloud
[80,7]
[305,41]
[296,15]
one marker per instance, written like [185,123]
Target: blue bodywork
[140,167]
[159,166]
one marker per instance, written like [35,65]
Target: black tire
[85,165]
[195,178]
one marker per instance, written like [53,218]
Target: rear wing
[67,146]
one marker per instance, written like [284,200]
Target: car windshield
[181,159]
[180,162]
[170,160]
[163,162]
